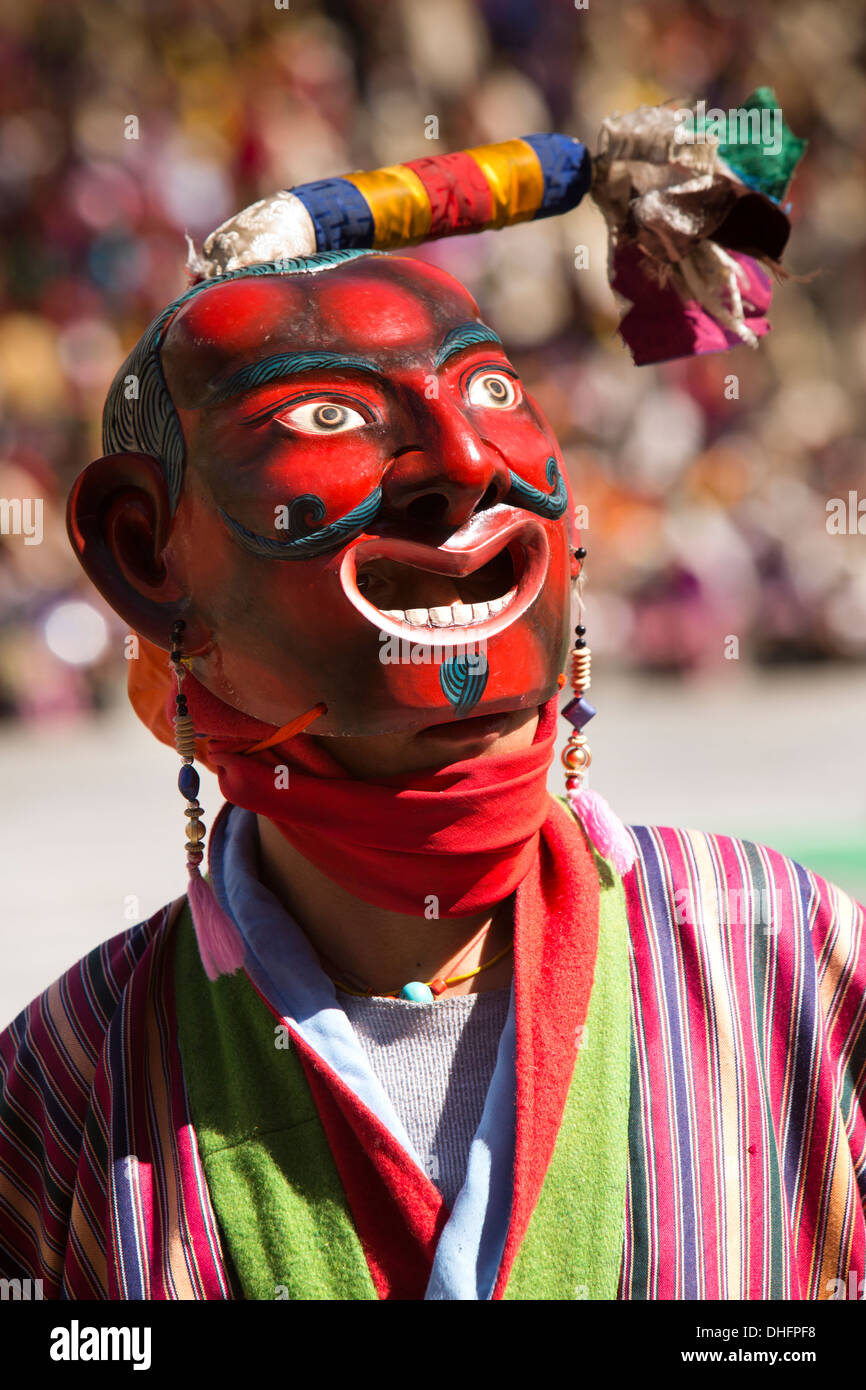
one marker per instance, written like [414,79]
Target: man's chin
[435,745]
[484,730]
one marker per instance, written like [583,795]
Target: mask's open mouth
[483,578]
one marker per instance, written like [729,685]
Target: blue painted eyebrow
[463,336]
[286,364]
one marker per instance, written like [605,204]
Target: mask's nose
[445,477]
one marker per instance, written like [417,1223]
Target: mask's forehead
[384,307]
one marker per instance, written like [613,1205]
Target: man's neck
[384,950]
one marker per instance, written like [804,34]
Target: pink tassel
[605,829]
[219,943]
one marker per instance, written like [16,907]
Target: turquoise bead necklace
[420,992]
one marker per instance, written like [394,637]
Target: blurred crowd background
[706,514]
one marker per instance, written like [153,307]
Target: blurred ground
[91,821]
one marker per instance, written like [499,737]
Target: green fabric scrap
[756,163]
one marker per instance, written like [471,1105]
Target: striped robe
[746,1136]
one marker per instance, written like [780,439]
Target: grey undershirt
[435,1062]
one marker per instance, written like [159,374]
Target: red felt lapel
[398,1212]
[555,946]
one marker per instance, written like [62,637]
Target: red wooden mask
[355,502]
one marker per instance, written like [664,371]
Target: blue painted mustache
[309,545]
[301,543]
[550,505]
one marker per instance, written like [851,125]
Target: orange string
[150,679]
[289,730]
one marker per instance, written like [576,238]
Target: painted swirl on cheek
[315,543]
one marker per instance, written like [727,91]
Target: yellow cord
[454,980]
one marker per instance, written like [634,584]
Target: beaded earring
[605,829]
[184,741]
[219,942]
[577,755]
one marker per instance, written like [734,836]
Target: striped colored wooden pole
[447,195]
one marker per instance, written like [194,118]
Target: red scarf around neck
[447,842]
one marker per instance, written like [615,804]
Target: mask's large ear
[118,518]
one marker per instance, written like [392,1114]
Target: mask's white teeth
[457,615]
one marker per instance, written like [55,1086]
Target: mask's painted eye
[493,389]
[322,417]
